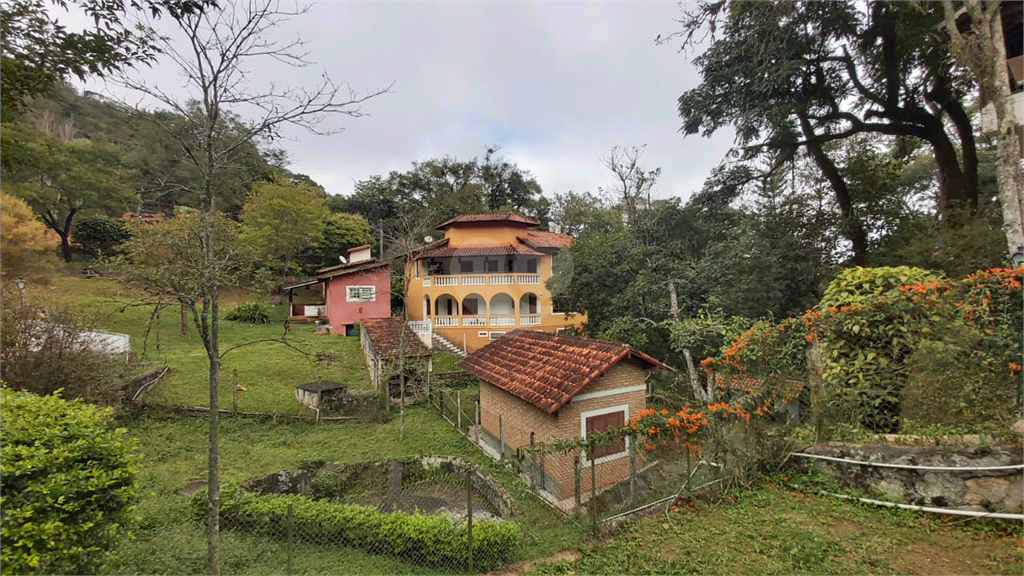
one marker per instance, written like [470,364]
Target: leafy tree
[38,52]
[792,76]
[440,188]
[281,219]
[163,259]
[99,234]
[23,240]
[68,480]
[341,232]
[60,179]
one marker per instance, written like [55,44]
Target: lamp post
[20,283]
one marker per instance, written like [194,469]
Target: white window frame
[495,335]
[584,461]
[359,297]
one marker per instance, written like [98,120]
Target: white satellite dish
[342,258]
[428,239]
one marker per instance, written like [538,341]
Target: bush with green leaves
[424,539]
[68,484]
[99,234]
[250,313]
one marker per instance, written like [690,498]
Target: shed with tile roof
[392,349]
[539,388]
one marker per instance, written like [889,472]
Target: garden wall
[965,489]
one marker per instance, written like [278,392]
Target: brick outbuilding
[540,387]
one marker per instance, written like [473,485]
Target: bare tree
[633,184]
[982,50]
[214,57]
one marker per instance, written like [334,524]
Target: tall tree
[213,62]
[23,240]
[981,49]
[282,219]
[799,75]
[61,179]
[38,52]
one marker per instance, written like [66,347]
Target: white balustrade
[528,278]
[503,320]
[446,320]
[474,320]
[473,280]
[446,280]
[529,320]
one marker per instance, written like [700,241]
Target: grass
[773,529]
[269,371]
[174,456]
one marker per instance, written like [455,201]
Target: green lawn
[174,453]
[269,371]
[773,529]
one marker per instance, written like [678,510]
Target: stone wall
[978,490]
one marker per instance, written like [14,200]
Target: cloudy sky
[555,84]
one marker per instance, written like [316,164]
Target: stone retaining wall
[978,490]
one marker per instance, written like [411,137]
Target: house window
[469,306]
[559,305]
[466,266]
[600,420]
[491,265]
[495,335]
[361,294]
[531,266]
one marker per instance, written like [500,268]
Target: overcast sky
[555,84]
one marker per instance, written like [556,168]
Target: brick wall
[519,418]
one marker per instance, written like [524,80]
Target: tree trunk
[184,319]
[691,370]
[852,227]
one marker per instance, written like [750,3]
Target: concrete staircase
[442,343]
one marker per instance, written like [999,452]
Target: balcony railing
[481,279]
[481,320]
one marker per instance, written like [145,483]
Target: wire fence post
[469,520]
[501,434]
[291,542]
[593,496]
[632,474]
[533,461]
[458,410]
[577,496]
[476,427]
[234,390]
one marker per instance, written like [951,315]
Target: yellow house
[486,277]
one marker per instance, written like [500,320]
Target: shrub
[68,484]
[250,312]
[420,538]
[41,351]
[99,234]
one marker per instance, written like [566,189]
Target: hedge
[67,482]
[422,539]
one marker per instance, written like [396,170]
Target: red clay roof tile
[385,335]
[538,239]
[489,217]
[547,370]
[486,250]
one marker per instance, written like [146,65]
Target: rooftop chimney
[359,254]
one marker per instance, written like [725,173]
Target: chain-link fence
[416,515]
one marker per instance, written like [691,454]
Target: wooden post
[291,542]
[234,389]
[533,460]
[632,474]
[593,497]
[501,434]
[458,409]
[476,414]
[577,495]
[464,349]
[469,520]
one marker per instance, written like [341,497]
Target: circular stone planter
[429,484]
